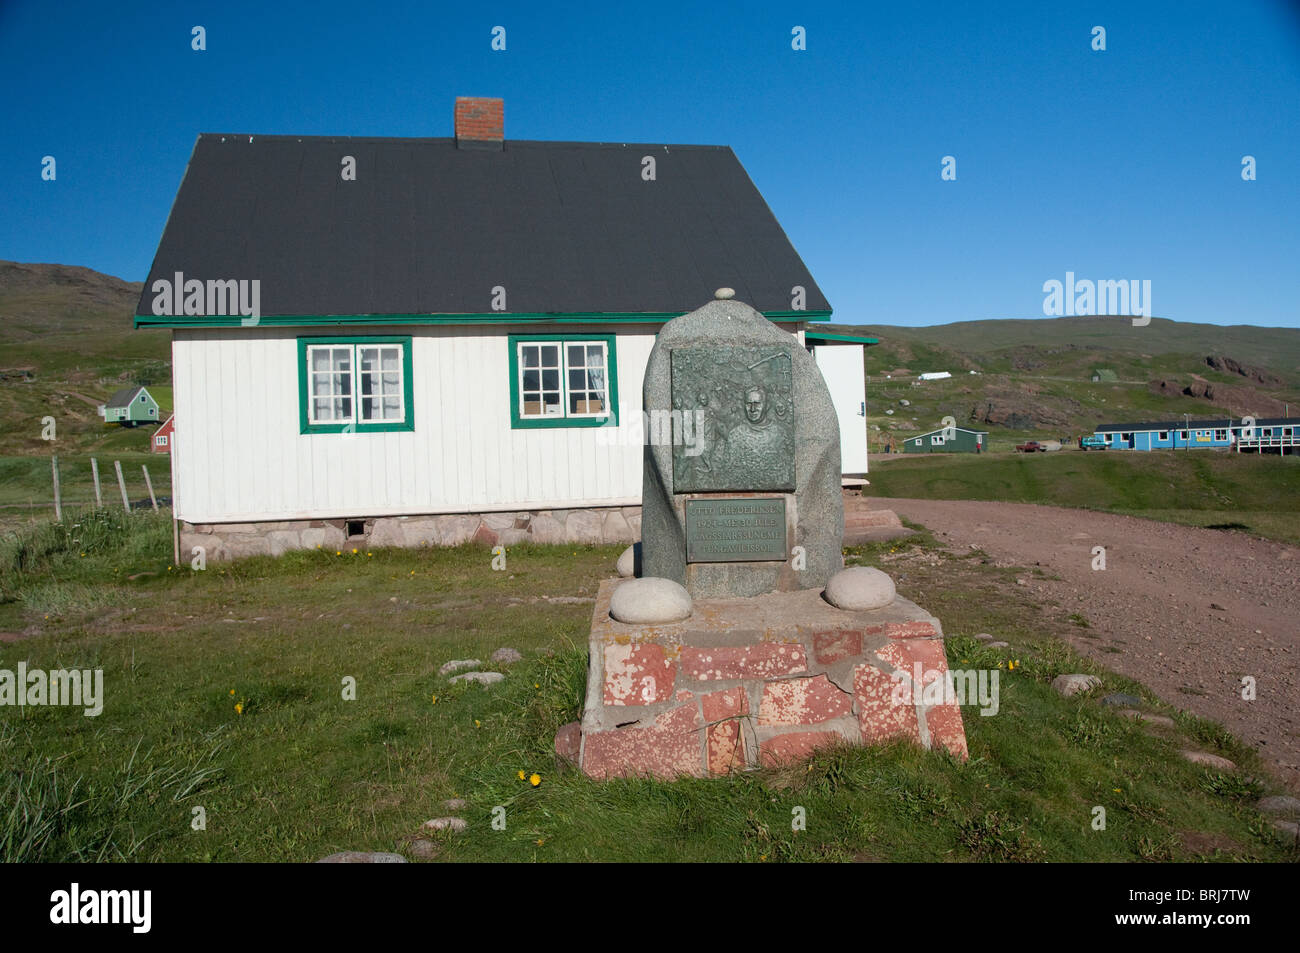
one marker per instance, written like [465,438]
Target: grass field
[1246,492]
[27,491]
[297,772]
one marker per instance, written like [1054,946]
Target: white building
[410,341]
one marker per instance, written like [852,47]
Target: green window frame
[354,391]
[571,372]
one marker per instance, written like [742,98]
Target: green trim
[408,387]
[327,320]
[827,336]
[518,422]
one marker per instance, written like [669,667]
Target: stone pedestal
[746,682]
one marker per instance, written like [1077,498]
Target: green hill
[1034,377]
[67,344]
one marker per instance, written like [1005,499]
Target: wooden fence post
[58,502]
[121,484]
[94,472]
[149,483]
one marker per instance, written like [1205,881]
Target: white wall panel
[241,456]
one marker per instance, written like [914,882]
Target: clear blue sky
[1117,164]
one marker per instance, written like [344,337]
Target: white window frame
[354,372]
[564,370]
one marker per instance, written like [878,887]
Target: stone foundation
[745,683]
[224,541]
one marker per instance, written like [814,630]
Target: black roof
[123,396]
[427,228]
[1219,422]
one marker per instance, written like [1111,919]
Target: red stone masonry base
[746,683]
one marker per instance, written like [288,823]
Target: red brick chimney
[480,122]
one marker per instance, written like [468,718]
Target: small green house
[956,440]
[130,406]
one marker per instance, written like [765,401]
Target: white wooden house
[428,341]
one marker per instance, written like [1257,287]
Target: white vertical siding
[242,457]
[841,367]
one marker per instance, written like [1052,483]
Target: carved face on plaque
[737,427]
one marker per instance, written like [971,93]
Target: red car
[1030,446]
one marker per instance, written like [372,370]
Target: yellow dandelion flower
[433,699]
[522,775]
[232,691]
[541,841]
[1118,791]
[477,723]
[337,553]
[354,550]
[369,554]
[239,708]
[535,780]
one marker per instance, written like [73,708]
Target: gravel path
[1190,611]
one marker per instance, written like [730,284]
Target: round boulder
[860,587]
[629,562]
[650,600]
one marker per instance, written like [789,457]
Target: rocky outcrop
[1226,365]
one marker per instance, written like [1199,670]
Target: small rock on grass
[999,645]
[455,665]
[1279,804]
[1069,685]
[453,824]
[1119,698]
[982,637]
[362,857]
[1207,759]
[483,678]
[1290,828]
[423,849]
[506,656]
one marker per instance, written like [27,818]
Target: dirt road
[1191,611]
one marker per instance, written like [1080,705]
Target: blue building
[1267,435]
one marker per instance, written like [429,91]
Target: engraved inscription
[735,530]
[737,418]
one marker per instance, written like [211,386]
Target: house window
[161,441]
[1182,435]
[563,381]
[1220,435]
[1164,435]
[937,440]
[355,384]
[1126,436]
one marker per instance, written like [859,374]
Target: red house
[162,437]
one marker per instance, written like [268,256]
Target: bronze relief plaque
[736,408]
